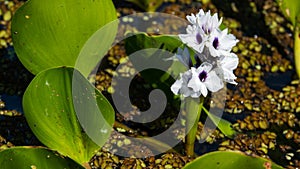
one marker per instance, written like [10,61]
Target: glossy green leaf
[67,113]
[143,41]
[297,48]
[34,158]
[149,55]
[51,33]
[222,124]
[291,9]
[152,51]
[230,160]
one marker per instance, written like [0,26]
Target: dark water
[277,81]
[12,102]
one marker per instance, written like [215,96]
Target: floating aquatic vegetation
[147,5]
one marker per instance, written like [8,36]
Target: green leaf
[95,48]
[143,41]
[222,124]
[51,33]
[59,105]
[148,55]
[30,157]
[151,51]
[230,160]
[291,9]
[297,48]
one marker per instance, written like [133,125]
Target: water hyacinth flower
[198,33]
[181,85]
[197,81]
[194,38]
[205,21]
[220,42]
[228,64]
[205,32]
[211,64]
[214,62]
[204,79]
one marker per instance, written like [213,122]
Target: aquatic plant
[35,157]
[291,10]
[231,159]
[210,65]
[191,65]
[64,110]
[52,33]
[205,52]
[48,37]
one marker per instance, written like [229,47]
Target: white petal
[214,21]
[224,31]
[186,92]
[180,86]
[192,19]
[194,82]
[220,22]
[201,12]
[230,62]
[186,76]
[231,81]
[203,89]
[204,66]
[228,74]
[176,86]
[191,41]
[186,38]
[227,42]
[213,82]
[214,52]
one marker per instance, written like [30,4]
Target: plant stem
[193,110]
[86,165]
[297,48]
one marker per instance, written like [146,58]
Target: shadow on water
[277,81]
[15,128]
[14,80]
[12,102]
[252,20]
